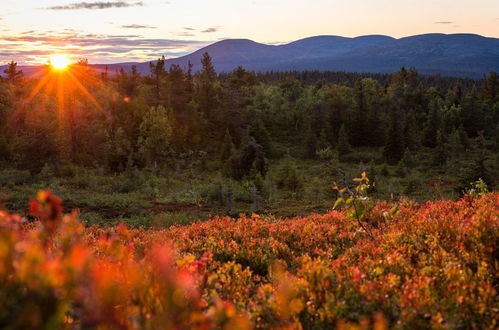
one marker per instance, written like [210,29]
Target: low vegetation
[121,146]
[424,265]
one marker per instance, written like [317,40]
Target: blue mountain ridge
[460,55]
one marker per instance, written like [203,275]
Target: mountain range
[460,55]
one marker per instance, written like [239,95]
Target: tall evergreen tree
[157,73]
[228,148]
[440,151]
[13,75]
[394,146]
[343,143]
[206,89]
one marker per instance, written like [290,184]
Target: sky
[112,31]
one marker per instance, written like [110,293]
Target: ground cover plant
[425,265]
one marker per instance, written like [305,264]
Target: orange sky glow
[132,30]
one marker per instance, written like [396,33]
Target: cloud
[138,26]
[444,22]
[211,29]
[186,34]
[189,29]
[97,5]
[29,48]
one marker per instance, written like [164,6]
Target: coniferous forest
[144,149]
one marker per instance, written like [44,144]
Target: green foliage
[477,188]
[14,177]
[343,144]
[155,136]
[288,177]
[394,146]
[197,138]
[359,205]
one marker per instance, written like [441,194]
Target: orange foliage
[430,265]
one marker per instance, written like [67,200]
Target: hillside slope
[461,55]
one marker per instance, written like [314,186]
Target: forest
[205,200]
[176,146]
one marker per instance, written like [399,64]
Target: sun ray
[60,96]
[61,79]
[87,94]
[38,87]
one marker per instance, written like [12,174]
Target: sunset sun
[59,61]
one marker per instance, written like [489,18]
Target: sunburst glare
[59,61]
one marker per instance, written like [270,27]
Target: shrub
[12,177]
[432,265]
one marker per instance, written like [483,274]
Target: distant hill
[462,55]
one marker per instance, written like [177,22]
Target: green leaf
[349,201]
[338,202]
[394,210]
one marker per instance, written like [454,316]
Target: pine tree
[177,90]
[440,152]
[472,114]
[288,176]
[360,127]
[155,136]
[411,133]
[433,124]
[490,90]
[454,143]
[157,71]
[14,76]
[228,148]
[208,72]
[394,146]
[262,136]
[206,89]
[475,169]
[343,144]
[406,163]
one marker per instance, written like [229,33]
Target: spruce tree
[13,75]
[157,71]
[262,136]
[440,151]
[228,148]
[206,88]
[343,143]
[394,146]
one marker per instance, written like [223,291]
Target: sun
[59,61]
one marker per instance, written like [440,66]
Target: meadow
[413,266]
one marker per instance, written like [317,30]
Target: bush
[431,265]
[13,177]
[287,176]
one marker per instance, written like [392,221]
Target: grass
[141,198]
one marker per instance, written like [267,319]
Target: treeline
[315,77]
[174,117]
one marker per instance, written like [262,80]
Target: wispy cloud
[444,22]
[189,29]
[138,26]
[97,5]
[186,34]
[211,29]
[98,48]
